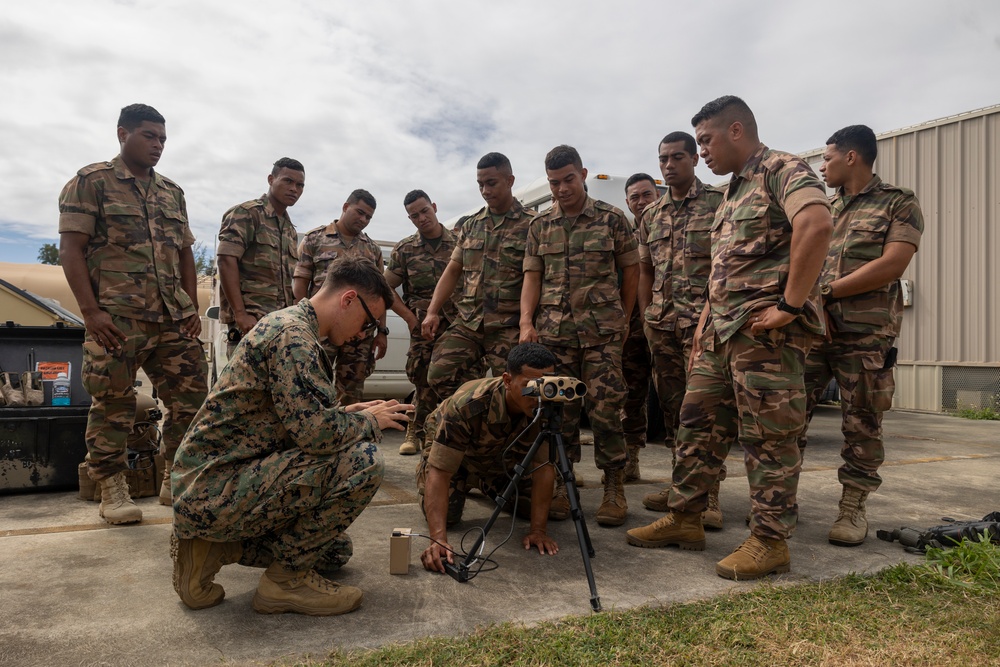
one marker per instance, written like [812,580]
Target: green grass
[945,611]
[987,412]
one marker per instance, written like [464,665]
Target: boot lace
[756,548]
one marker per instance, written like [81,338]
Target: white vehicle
[388,380]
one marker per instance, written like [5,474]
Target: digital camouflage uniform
[745,385]
[486,327]
[353,361]
[271,460]
[580,317]
[467,436]
[417,266]
[136,234]
[864,326]
[265,246]
[675,239]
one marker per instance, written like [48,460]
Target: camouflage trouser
[418,362]
[299,520]
[753,387]
[670,351]
[353,363]
[175,365]
[461,354]
[636,371]
[600,369]
[857,362]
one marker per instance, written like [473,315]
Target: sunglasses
[372,322]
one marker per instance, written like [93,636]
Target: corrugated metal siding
[952,169]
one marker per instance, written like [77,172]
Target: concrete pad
[78,591]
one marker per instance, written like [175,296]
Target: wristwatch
[826,291]
[785,308]
[383,330]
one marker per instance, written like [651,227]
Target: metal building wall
[949,348]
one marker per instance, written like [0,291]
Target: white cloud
[392,96]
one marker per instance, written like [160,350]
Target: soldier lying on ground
[273,470]
[466,446]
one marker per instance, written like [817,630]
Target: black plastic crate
[41,448]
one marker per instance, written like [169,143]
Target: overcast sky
[392,96]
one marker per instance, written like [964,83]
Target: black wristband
[785,308]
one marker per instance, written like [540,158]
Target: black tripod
[551,419]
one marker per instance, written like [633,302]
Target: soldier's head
[422,212]
[526,362]
[640,192]
[353,297]
[678,157]
[142,132]
[567,178]
[726,131]
[849,151]
[285,183]
[496,180]
[357,212]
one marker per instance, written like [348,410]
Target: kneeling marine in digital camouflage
[273,470]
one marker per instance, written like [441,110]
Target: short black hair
[414,195]
[361,195]
[858,138]
[638,178]
[498,161]
[134,115]
[689,143]
[732,109]
[287,163]
[359,273]
[563,156]
[532,355]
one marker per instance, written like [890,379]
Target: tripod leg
[582,534]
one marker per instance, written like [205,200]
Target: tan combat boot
[755,558]
[559,509]
[851,527]
[712,516]
[681,529]
[166,498]
[614,507]
[303,592]
[196,562]
[632,467]
[116,503]
[411,443]
[657,501]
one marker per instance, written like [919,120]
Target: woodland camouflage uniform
[353,361]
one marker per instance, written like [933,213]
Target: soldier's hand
[430,326]
[528,334]
[413,326]
[102,329]
[770,318]
[358,407]
[191,327]
[391,414]
[245,322]
[434,556]
[544,543]
[380,345]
